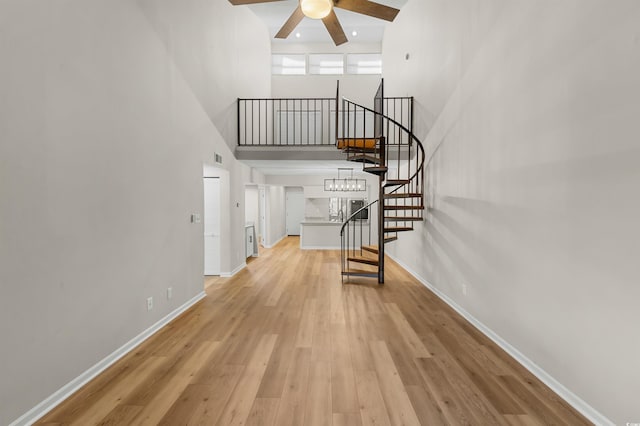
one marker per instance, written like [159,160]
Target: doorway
[212,226]
[294,210]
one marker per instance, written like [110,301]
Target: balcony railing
[281,122]
[287,122]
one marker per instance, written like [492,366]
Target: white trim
[235,271]
[67,390]
[272,245]
[572,399]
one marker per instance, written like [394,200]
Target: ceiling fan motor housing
[316,9]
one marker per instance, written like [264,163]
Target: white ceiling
[275,14]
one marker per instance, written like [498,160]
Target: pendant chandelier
[344,184]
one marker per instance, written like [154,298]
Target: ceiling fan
[323,9]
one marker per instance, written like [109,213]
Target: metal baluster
[245,122]
[238,122]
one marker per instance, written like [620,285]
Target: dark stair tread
[398,229]
[390,239]
[366,260]
[352,149]
[395,207]
[403,219]
[360,273]
[364,158]
[396,182]
[375,170]
[403,195]
[372,249]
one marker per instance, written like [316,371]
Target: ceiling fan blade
[239,2]
[334,28]
[368,8]
[291,23]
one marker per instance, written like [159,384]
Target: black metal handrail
[400,109]
[286,121]
[401,127]
[350,244]
[353,216]
[281,122]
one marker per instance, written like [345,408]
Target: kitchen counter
[322,234]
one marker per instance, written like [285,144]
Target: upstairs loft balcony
[308,128]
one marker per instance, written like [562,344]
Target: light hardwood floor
[285,343]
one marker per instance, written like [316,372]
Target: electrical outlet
[464,289]
[169,293]
[149,303]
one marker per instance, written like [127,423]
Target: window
[326,64]
[364,63]
[288,64]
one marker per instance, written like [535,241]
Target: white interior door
[211,226]
[294,211]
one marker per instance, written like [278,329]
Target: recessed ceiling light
[297,35]
[354,33]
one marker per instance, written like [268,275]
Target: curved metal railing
[380,142]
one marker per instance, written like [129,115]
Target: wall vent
[218,158]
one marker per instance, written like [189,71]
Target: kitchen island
[324,234]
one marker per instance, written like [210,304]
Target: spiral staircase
[380,139]
[390,150]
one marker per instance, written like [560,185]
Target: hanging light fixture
[316,9]
[345,184]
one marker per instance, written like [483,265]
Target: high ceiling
[369,30]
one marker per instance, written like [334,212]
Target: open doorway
[211,226]
[294,209]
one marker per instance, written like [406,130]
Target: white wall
[531,109]
[102,142]
[252,205]
[275,215]
[220,51]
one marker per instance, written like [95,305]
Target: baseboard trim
[572,399]
[67,390]
[235,271]
[274,244]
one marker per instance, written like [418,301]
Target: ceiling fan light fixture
[316,9]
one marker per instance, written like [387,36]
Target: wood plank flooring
[284,342]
